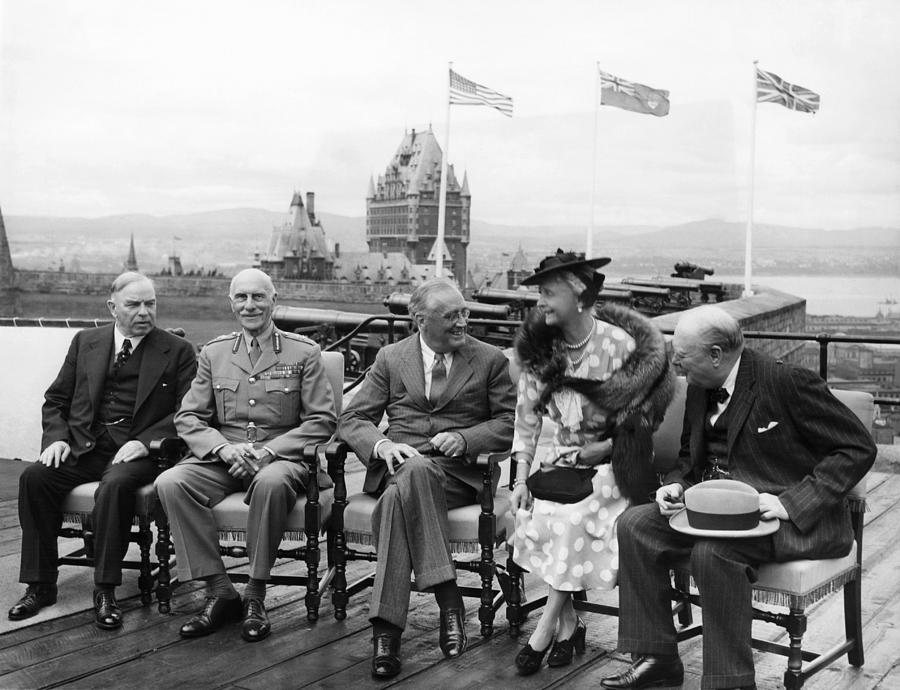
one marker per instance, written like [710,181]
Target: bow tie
[717,395]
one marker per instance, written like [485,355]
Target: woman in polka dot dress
[605,381]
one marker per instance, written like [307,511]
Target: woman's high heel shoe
[563,650]
[528,660]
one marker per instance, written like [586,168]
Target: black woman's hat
[564,261]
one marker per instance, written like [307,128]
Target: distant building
[519,269]
[130,264]
[298,249]
[402,207]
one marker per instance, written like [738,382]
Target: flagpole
[589,240]
[442,200]
[748,248]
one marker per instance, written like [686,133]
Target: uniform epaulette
[224,338]
[301,338]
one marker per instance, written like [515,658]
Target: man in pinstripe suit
[448,398]
[775,427]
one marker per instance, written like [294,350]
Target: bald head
[253,297]
[707,343]
[255,276]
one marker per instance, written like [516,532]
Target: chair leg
[144,540]
[682,596]
[486,531]
[163,555]
[514,601]
[313,597]
[853,620]
[795,624]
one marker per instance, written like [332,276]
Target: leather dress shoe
[36,597]
[563,650]
[107,614]
[256,623]
[529,659]
[453,638]
[385,656]
[648,672]
[215,613]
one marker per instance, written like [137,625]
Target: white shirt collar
[429,356]
[119,338]
[732,378]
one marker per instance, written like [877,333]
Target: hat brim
[679,522]
[539,276]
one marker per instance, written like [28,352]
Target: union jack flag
[466,92]
[770,88]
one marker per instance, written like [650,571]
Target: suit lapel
[412,370]
[696,409]
[95,363]
[743,398]
[460,372]
[153,364]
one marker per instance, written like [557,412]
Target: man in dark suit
[771,425]
[117,390]
[448,398]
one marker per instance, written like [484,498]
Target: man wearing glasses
[448,398]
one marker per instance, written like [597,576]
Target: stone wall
[56,282]
[767,310]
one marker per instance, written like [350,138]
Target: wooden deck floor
[69,651]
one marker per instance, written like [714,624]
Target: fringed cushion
[463,522]
[79,503]
[800,583]
[231,516]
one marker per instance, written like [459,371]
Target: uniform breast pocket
[283,398]
[225,391]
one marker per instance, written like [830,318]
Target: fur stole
[635,396]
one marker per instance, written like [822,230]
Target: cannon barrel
[290,318]
[398,302]
[489,295]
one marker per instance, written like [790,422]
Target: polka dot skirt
[572,547]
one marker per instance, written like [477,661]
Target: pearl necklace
[582,343]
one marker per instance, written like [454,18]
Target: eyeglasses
[455,316]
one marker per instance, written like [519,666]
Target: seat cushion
[231,516]
[802,582]
[463,522]
[80,501]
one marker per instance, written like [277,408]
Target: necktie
[123,354]
[438,379]
[716,396]
[255,352]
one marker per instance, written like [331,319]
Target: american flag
[770,88]
[466,92]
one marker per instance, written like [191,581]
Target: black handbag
[561,484]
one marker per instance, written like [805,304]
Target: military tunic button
[87,444]
[251,402]
[252,379]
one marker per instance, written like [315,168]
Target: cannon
[398,303]
[687,269]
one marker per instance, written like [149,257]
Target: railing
[344,343]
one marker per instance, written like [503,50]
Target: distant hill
[228,237]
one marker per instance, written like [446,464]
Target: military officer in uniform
[259,398]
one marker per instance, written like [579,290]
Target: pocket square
[764,429]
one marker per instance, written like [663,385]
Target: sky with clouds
[111,107]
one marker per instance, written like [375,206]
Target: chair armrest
[491,459]
[167,451]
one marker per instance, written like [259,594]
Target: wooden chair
[796,585]
[78,507]
[305,521]
[473,529]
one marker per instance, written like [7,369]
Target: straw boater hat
[722,508]
[566,261]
